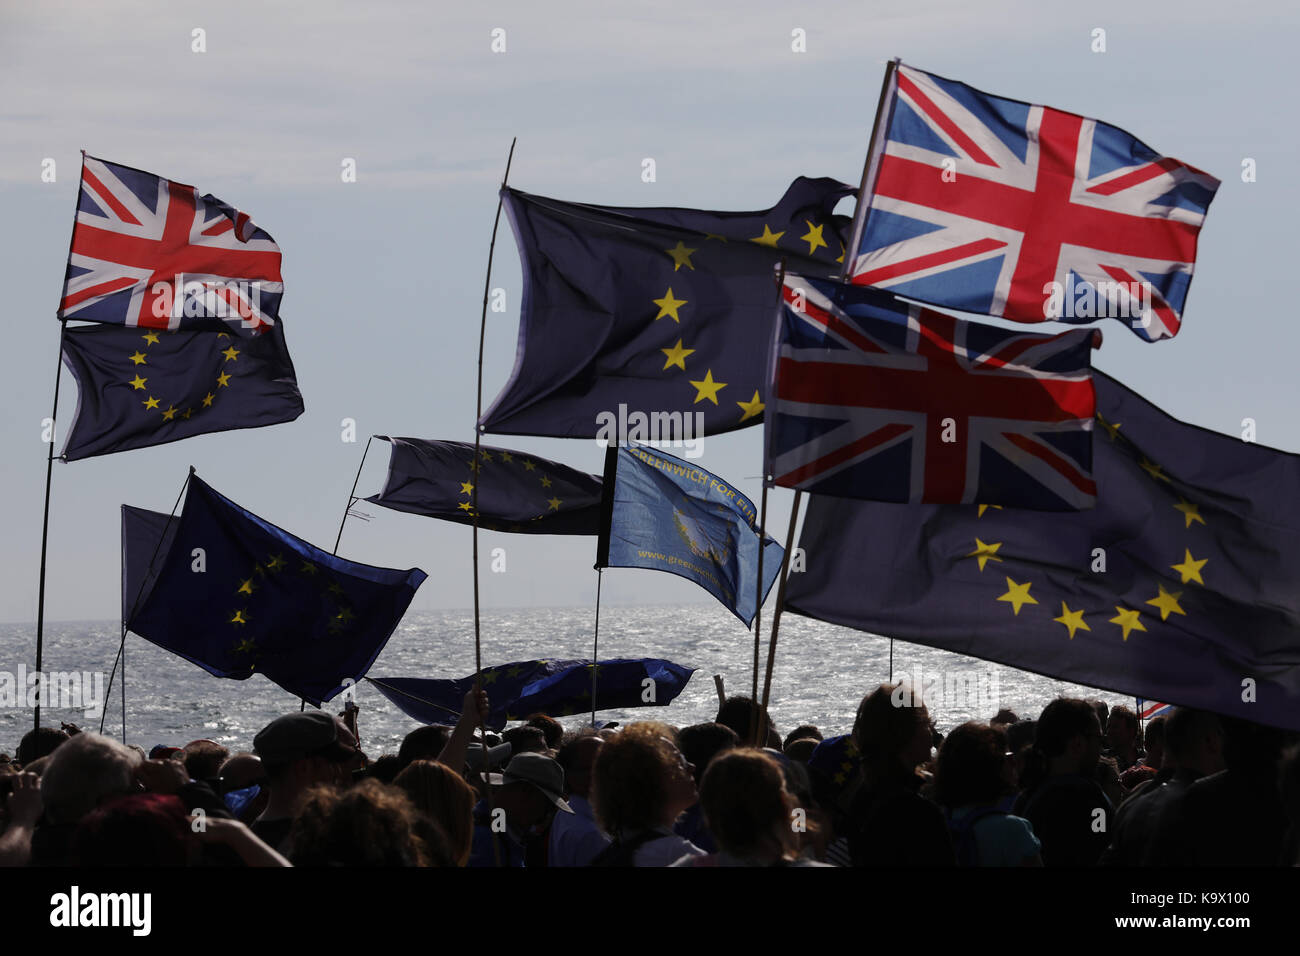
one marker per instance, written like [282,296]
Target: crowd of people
[1080,785]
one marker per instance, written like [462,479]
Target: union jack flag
[149,252]
[1151,708]
[877,398]
[981,204]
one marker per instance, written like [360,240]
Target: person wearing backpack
[974,774]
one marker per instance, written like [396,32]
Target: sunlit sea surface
[821,673]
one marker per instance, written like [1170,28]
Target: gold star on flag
[1073,620]
[1190,569]
[465,506]
[528,465]
[223,380]
[1189,511]
[1128,620]
[1112,430]
[984,553]
[169,413]
[714,235]
[676,356]
[507,457]
[308,568]
[239,618]
[1018,595]
[276,563]
[708,388]
[137,383]
[1167,602]
[751,408]
[247,586]
[245,646]
[814,237]
[138,358]
[681,256]
[187,413]
[768,238]
[546,482]
[345,615]
[984,508]
[150,337]
[1154,471]
[485,456]
[150,402]
[490,677]
[207,400]
[466,487]
[668,306]
[554,503]
[840,257]
[231,354]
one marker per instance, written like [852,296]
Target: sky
[384,276]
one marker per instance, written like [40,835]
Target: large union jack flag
[981,203]
[151,253]
[876,398]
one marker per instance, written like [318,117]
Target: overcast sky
[384,276]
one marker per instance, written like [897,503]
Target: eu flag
[554,688]
[137,388]
[237,596]
[668,515]
[1182,584]
[641,311]
[516,491]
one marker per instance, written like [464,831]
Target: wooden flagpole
[595,650]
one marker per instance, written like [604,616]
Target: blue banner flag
[137,388]
[668,515]
[516,491]
[554,688]
[237,596]
[639,321]
[878,398]
[1182,584]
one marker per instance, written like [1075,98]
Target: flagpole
[478,429]
[871,168]
[352,495]
[474,472]
[45,528]
[755,717]
[595,650]
[135,606]
[780,600]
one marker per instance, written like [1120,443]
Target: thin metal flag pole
[474,473]
[45,529]
[595,649]
[135,606]
[352,495]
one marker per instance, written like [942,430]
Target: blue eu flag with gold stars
[555,688]
[1182,584]
[238,596]
[137,387]
[632,311]
[515,491]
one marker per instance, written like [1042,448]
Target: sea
[821,673]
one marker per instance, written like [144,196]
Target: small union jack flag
[989,205]
[1151,708]
[151,253]
[876,398]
